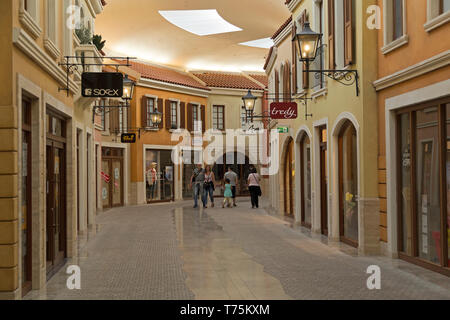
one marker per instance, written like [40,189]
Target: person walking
[208,187]
[197,181]
[254,187]
[228,194]
[232,176]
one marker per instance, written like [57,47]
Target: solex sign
[284,110]
[102,85]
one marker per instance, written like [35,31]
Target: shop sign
[283,130]
[102,84]
[128,138]
[283,110]
[253,127]
[105,177]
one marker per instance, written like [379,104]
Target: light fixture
[265,43]
[199,22]
[249,101]
[156,118]
[307,42]
[128,88]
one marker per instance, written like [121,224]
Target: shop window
[159,175]
[424,170]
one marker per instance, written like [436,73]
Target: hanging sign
[102,84]
[283,110]
[253,127]
[128,138]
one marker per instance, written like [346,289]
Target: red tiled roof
[261,78]
[284,25]
[166,75]
[287,2]
[268,58]
[227,80]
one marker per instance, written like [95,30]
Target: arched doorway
[305,181]
[289,175]
[348,184]
[240,164]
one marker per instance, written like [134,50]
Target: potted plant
[99,43]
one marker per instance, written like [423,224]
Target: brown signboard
[284,110]
[128,138]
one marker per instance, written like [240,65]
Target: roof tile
[227,80]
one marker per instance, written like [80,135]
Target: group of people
[204,184]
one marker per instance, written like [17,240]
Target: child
[228,194]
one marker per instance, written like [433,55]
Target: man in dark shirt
[197,180]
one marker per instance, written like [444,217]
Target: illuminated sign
[102,85]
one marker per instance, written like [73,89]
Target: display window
[159,175]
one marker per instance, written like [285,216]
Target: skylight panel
[265,43]
[199,22]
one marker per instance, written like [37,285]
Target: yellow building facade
[39,123]
[328,160]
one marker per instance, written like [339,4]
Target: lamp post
[249,104]
[307,43]
[128,88]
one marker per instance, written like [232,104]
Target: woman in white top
[254,187]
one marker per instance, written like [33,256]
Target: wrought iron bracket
[71,63]
[345,77]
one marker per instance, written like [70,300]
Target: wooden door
[324,188]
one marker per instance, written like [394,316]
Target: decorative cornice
[28,22]
[25,43]
[283,34]
[439,61]
[51,48]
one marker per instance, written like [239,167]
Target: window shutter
[168,115]
[190,121]
[182,115]
[277,87]
[331,37]
[114,120]
[144,121]
[223,117]
[348,31]
[203,117]
[294,59]
[161,109]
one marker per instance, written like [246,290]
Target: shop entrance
[240,164]
[323,181]
[159,176]
[112,177]
[56,218]
[348,184]
[289,174]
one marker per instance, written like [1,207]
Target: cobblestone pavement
[175,252]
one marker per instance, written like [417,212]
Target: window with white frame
[438,14]
[51,31]
[395,25]
[218,117]
[150,109]
[173,114]
[196,118]
[318,82]
[29,17]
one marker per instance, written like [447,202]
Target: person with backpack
[197,181]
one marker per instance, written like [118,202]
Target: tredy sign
[283,110]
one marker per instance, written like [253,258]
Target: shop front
[112,174]
[240,164]
[56,218]
[423,184]
[159,176]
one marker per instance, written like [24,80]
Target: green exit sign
[283,130]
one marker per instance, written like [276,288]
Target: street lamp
[156,118]
[307,42]
[249,101]
[128,88]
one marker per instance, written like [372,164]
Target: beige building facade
[38,154]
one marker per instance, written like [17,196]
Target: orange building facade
[414,146]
